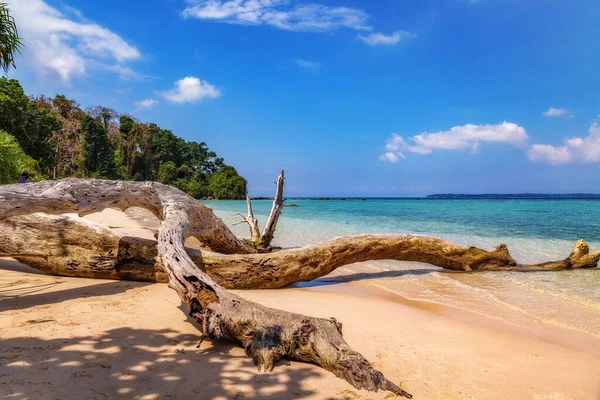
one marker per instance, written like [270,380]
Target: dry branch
[251,221]
[269,231]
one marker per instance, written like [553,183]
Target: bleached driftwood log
[266,334]
[75,247]
[83,197]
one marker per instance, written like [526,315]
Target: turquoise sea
[535,231]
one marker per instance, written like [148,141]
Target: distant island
[515,196]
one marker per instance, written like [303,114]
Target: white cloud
[124,72]
[555,112]
[313,66]
[76,12]
[575,149]
[55,44]
[392,157]
[281,14]
[146,103]
[457,138]
[549,154]
[378,38]
[190,89]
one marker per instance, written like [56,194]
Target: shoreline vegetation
[55,138]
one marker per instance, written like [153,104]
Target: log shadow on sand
[140,363]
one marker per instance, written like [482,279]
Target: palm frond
[10,42]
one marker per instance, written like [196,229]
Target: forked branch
[251,221]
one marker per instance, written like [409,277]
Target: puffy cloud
[313,66]
[146,103]
[457,138]
[190,89]
[279,13]
[56,44]
[379,39]
[555,112]
[550,154]
[575,149]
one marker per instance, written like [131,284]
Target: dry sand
[71,338]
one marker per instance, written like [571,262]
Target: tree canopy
[63,140]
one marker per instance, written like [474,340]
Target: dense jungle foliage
[55,138]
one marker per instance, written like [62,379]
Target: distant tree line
[56,138]
[501,196]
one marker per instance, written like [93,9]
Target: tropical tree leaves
[10,42]
[13,159]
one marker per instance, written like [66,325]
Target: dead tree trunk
[80,248]
[269,231]
[267,334]
[262,243]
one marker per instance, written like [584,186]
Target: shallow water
[535,231]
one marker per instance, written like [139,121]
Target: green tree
[65,142]
[227,184]
[98,157]
[197,186]
[29,122]
[13,159]
[167,172]
[165,146]
[13,107]
[144,158]
[10,43]
[40,124]
[132,143]
[66,108]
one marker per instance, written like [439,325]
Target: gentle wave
[535,231]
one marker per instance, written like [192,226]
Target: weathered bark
[75,247]
[282,268]
[267,334]
[269,231]
[75,195]
[80,248]
[251,221]
[262,243]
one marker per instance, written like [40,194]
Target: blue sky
[352,98]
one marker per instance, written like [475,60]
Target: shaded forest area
[54,138]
